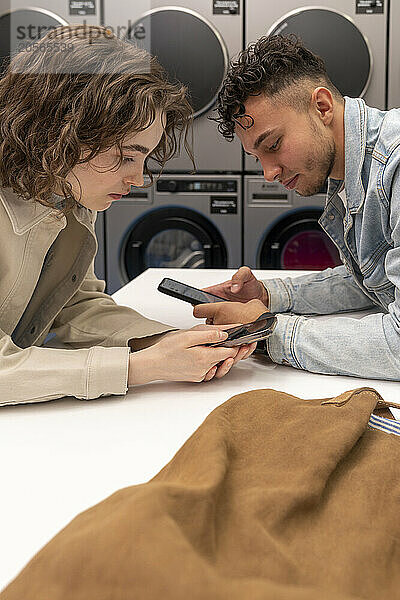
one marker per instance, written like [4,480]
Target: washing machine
[281,229]
[394,56]
[23,23]
[350,35]
[180,222]
[193,40]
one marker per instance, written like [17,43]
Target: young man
[80,115]
[279,101]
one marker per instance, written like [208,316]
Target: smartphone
[250,332]
[187,293]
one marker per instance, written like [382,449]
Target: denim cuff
[280,345]
[279,295]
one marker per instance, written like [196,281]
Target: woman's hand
[244,351]
[183,356]
[241,288]
[220,313]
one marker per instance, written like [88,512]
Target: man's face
[294,148]
[97,183]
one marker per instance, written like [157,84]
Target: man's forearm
[367,347]
[323,292]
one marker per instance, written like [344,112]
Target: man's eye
[275,146]
[128,159]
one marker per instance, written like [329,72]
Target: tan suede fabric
[273,497]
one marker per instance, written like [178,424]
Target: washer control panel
[369,7]
[196,185]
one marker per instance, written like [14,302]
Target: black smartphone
[250,332]
[187,293]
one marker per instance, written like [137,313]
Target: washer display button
[369,7]
[223,205]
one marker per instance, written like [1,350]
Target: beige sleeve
[91,318]
[38,374]
[97,335]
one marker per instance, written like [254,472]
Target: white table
[61,457]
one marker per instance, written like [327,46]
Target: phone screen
[198,295]
[187,292]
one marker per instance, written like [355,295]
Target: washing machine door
[298,242]
[21,28]
[173,237]
[335,37]
[188,47]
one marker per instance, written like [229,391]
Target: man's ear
[322,104]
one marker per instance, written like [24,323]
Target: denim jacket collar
[355,136]
[334,186]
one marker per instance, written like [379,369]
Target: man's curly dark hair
[276,66]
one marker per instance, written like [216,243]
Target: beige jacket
[47,284]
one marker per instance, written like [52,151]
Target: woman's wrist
[141,368]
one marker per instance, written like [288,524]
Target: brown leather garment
[273,497]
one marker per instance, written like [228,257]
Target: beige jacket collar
[25,214]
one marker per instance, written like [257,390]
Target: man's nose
[271,171]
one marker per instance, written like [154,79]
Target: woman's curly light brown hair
[81,88]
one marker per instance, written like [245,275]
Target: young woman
[80,115]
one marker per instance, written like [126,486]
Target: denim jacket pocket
[383,291]
[386,294]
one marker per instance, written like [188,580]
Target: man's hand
[222,313]
[241,288]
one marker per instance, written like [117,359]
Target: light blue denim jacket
[367,234]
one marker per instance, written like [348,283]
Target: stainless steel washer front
[281,229]
[181,222]
[22,23]
[352,41]
[194,42]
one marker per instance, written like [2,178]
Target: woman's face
[97,183]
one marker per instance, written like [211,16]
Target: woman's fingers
[242,353]
[224,368]
[221,369]
[211,373]
[250,350]
[202,335]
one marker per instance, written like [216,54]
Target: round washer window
[19,29]
[174,237]
[298,242]
[174,248]
[335,38]
[188,47]
[309,250]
